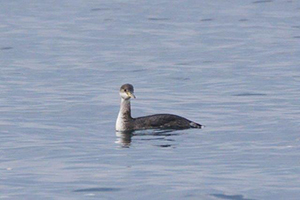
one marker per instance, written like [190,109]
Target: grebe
[159,121]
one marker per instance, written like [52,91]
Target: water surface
[233,66]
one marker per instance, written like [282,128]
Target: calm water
[233,66]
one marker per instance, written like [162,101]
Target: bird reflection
[124,138]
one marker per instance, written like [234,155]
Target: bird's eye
[125,90]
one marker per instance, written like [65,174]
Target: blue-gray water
[233,66]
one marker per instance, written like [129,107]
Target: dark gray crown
[127,87]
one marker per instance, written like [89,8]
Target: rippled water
[233,66]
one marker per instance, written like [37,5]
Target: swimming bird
[159,121]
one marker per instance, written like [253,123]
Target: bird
[125,122]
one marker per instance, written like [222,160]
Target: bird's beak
[131,95]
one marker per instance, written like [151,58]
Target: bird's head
[127,91]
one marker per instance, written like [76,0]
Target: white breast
[120,125]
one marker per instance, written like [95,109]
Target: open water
[233,66]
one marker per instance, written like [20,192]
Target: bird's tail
[196,125]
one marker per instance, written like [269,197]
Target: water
[233,66]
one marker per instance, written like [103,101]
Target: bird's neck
[125,110]
[124,120]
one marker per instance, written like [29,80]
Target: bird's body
[159,121]
[164,121]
